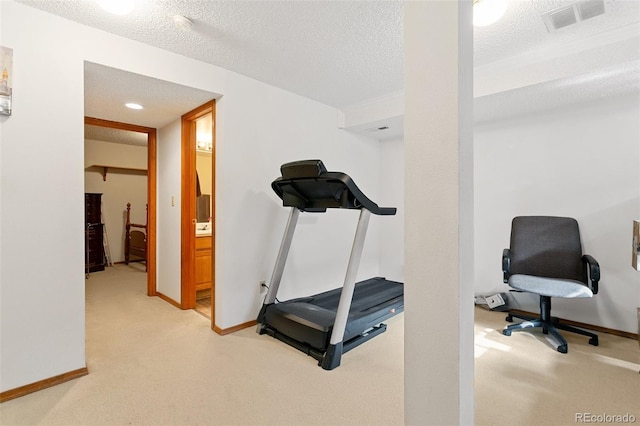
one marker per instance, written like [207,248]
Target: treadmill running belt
[309,320]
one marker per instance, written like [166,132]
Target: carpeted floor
[153,364]
[522,380]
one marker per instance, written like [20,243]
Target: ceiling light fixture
[133,105]
[117,7]
[486,12]
[204,142]
[182,22]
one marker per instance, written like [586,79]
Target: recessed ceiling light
[133,105]
[486,12]
[117,7]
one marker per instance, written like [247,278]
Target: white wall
[580,161]
[391,177]
[42,192]
[168,211]
[119,188]
[250,219]
[115,155]
[258,127]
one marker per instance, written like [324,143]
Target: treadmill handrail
[313,189]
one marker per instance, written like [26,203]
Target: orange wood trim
[168,299]
[187,215]
[235,328]
[198,112]
[213,216]
[117,125]
[582,325]
[152,173]
[42,384]
[188,205]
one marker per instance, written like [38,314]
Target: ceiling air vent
[376,129]
[590,8]
[572,13]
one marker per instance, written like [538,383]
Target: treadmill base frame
[332,357]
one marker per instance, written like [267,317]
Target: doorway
[151,190]
[198,210]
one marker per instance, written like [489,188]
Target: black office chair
[545,258]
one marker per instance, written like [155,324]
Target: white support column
[438,213]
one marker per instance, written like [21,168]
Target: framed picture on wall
[635,246]
[6,70]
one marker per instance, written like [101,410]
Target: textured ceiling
[342,53]
[522,30]
[107,89]
[107,134]
[336,52]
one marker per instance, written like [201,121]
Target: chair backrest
[547,246]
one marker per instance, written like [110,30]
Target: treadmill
[331,323]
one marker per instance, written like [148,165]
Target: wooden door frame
[188,211]
[151,190]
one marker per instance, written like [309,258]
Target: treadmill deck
[309,320]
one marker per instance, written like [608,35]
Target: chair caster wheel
[563,349]
[506,332]
[509,318]
[594,341]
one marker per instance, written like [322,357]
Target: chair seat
[553,287]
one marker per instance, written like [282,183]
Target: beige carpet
[522,380]
[153,364]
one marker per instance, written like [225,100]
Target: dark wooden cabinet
[92,208]
[94,233]
[94,250]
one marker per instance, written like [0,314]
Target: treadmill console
[303,169]
[308,186]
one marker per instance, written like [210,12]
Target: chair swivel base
[549,327]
